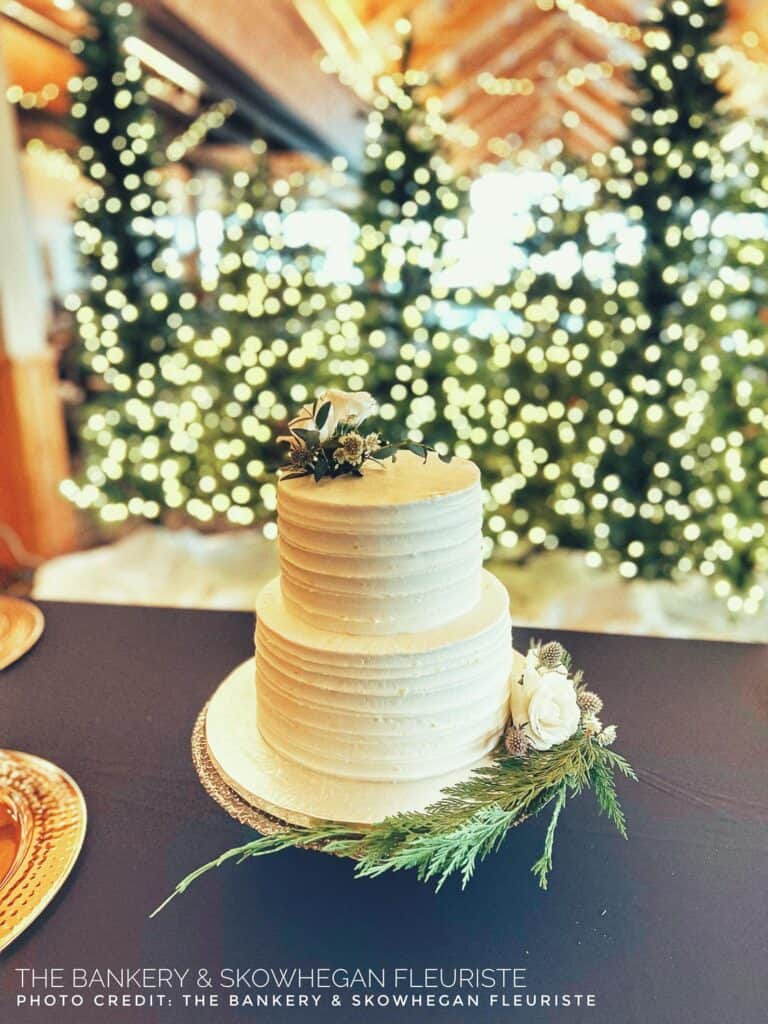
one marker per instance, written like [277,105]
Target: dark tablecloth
[668,927]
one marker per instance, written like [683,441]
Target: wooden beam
[615,89]
[521,59]
[491,56]
[480,103]
[70,20]
[505,121]
[502,52]
[267,62]
[630,11]
[626,11]
[578,145]
[464,28]
[384,10]
[524,61]
[421,14]
[616,102]
[595,113]
[32,61]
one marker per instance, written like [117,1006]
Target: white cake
[383,650]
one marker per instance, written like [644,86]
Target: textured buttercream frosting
[383,650]
[398,550]
[387,707]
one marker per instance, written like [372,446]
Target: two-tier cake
[383,649]
[385,673]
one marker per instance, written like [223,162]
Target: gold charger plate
[21,624]
[42,827]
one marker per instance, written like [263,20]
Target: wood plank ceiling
[519,72]
[510,73]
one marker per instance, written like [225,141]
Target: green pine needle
[468,823]
[543,865]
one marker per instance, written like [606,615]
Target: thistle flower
[372,443]
[351,449]
[607,736]
[551,655]
[589,702]
[516,741]
[300,457]
[591,725]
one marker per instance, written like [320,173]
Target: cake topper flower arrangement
[325,440]
[553,748]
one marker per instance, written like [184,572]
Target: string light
[584,314]
[56,162]
[595,420]
[209,120]
[574,78]
[497,86]
[586,18]
[35,99]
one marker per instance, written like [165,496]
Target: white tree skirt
[184,568]
[155,566]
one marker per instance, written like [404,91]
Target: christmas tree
[681,487]
[267,304]
[129,309]
[665,473]
[182,376]
[555,317]
[403,333]
[189,372]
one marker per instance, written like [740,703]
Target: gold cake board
[260,788]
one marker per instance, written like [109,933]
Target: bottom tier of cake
[384,708]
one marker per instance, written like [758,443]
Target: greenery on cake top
[324,439]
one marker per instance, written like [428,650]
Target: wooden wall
[33,454]
[33,459]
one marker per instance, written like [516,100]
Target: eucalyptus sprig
[344,451]
[470,821]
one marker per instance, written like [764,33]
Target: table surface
[670,926]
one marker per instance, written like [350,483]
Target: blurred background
[536,230]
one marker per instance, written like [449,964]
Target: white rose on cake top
[349,407]
[544,705]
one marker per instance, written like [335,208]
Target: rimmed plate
[21,624]
[43,821]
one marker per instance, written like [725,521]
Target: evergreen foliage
[468,823]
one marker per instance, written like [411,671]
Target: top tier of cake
[398,550]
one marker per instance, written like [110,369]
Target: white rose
[545,707]
[346,407]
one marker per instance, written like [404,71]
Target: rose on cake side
[548,706]
[324,441]
[543,704]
